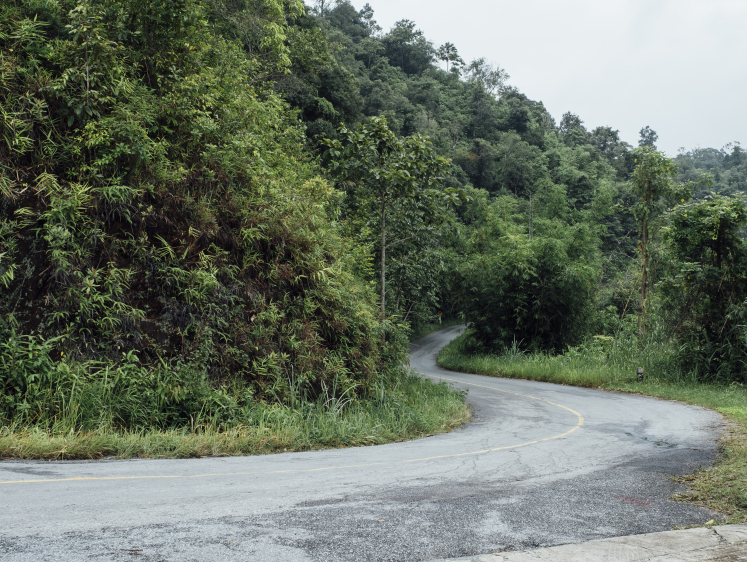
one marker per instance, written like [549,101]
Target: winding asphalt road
[540,465]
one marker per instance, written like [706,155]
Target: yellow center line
[581,421]
[302,470]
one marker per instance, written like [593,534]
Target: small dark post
[640,374]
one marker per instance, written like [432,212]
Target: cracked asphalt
[540,465]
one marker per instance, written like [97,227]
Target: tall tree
[648,137]
[448,53]
[490,76]
[367,14]
[375,164]
[570,121]
[323,7]
[407,48]
[652,182]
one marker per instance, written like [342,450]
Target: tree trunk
[383,266]
[531,216]
[644,275]
[383,261]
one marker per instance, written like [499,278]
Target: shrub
[163,234]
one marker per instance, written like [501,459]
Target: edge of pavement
[723,543]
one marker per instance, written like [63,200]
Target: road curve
[540,465]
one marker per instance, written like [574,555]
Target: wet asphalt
[539,465]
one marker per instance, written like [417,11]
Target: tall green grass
[598,361]
[407,407]
[612,364]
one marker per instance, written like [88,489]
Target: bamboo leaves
[161,216]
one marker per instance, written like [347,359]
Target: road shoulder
[724,543]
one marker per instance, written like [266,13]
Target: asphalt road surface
[540,465]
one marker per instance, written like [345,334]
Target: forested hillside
[165,240]
[500,142]
[212,205]
[722,171]
[546,248]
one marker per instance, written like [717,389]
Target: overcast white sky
[679,66]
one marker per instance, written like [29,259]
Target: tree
[323,7]
[369,50]
[519,165]
[407,48]
[350,21]
[449,54]
[648,137]
[371,161]
[704,284]
[490,76]
[734,155]
[607,141]
[652,182]
[366,14]
[570,121]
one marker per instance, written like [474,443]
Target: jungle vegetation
[169,252]
[210,207]
[557,235]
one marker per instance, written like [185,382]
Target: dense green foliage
[164,237]
[500,143]
[704,285]
[203,204]
[567,231]
[397,181]
[530,283]
[723,171]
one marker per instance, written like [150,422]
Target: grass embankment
[722,487]
[414,407]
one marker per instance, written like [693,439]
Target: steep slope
[163,235]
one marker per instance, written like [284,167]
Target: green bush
[165,247]
[704,287]
[536,290]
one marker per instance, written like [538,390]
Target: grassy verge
[414,407]
[424,329]
[722,487]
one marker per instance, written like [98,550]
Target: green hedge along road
[540,465]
